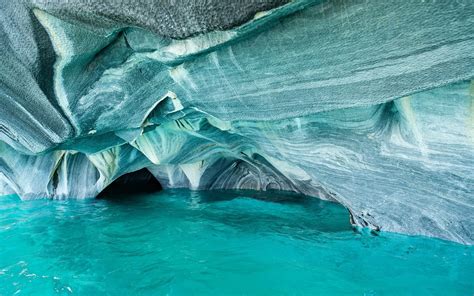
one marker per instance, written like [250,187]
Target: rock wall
[369,104]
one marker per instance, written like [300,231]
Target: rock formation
[366,103]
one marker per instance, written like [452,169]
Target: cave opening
[138,182]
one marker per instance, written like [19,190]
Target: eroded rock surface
[369,104]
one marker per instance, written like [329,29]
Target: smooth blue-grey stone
[365,103]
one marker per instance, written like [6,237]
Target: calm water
[186,243]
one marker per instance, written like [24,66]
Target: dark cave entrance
[138,182]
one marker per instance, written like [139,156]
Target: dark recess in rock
[141,181]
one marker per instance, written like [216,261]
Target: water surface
[186,243]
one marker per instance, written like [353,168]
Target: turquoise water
[186,243]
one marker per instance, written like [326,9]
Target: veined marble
[369,104]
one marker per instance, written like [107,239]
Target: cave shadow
[128,185]
[139,190]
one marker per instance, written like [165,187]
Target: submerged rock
[366,104]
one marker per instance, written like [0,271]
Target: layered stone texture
[369,104]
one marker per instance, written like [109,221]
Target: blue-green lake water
[213,243]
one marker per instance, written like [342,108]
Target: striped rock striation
[365,103]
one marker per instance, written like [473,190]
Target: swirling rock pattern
[369,104]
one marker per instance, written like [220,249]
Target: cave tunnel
[138,182]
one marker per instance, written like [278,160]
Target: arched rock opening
[141,181]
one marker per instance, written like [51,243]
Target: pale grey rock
[31,119]
[169,18]
[368,104]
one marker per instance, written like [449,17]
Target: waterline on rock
[179,242]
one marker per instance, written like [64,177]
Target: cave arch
[137,182]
